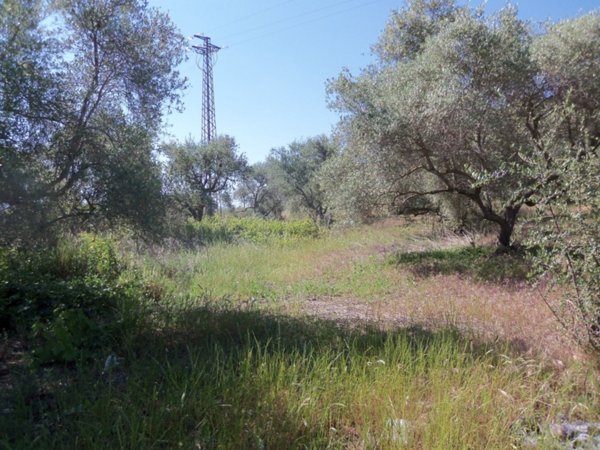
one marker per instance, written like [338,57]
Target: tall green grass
[245,380]
[245,229]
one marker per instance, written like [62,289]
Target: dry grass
[510,311]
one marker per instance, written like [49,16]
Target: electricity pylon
[207,50]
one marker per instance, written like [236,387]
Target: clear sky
[277,55]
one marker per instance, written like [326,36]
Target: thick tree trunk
[197,212]
[507,226]
[505,234]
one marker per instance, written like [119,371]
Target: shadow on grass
[479,263]
[231,329]
[210,378]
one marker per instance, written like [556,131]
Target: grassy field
[387,336]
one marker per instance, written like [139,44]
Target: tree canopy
[260,191]
[298,166]
[83,87]
[460,103]
[197,172]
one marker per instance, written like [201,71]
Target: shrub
[67,301]
[567,233]
[249,229]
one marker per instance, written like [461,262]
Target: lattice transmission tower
[208,51]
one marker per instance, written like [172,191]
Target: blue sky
[277,55]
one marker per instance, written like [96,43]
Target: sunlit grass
[247,380]
[331,265]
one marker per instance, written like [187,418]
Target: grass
[479,263]
[275,269]
[231,379]
[257,345]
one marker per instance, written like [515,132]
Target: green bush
[247,229]
[67,302]
[566,232]
[67,335]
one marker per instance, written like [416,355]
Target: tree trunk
[507,226]
[197,212]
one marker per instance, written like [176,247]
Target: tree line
[463,115]
[84,87]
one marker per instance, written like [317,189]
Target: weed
[220,378]
[203,361]
[68,302]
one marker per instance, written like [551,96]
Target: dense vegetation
[83,86]
[169,294]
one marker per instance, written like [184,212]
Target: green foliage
[197,172]
[409,28]
[84,85]
[66,336]
[480,263]
[297,171]
[198,373]
[567,233]
[69,301]
[247,229]
[459,105]
[217,378]
[567,170]
[348,194]
[260,191]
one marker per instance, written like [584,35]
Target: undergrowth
[213,378]
[245,229]
[68,302]
[480,263]
[163,352]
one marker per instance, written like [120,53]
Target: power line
[306,22]
[287,19]
[249,16]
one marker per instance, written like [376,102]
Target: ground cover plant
[302,366]
[70,301]
[250,229]
[223,379]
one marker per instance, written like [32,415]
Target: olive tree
[83,87]
[457,105]
[196,172]
[297,167]
[259,190]
[567,232]
[356,187]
